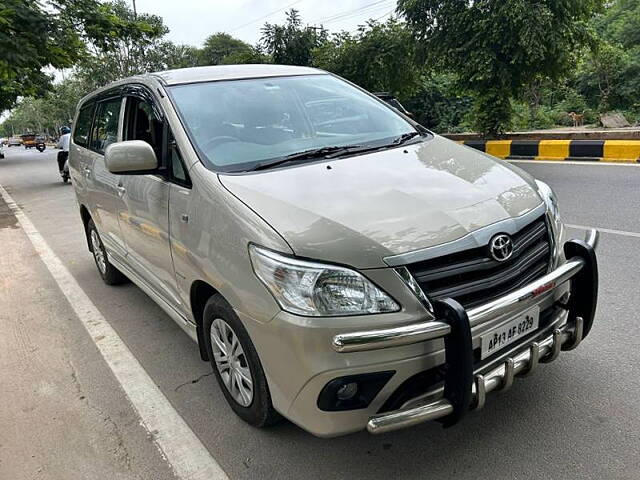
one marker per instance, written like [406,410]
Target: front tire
[236,364]
[110,274]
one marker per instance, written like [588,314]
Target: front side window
[83,125]
[141,123]
[105,127]
[238,124]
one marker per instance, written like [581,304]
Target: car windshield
[239,124]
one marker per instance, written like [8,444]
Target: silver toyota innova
[337,263]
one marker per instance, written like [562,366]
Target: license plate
[510,332]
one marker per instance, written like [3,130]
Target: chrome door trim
[475,239]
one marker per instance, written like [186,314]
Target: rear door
[144,218]
[80,158]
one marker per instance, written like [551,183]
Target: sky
[191,21]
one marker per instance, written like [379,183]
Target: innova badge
[501,247]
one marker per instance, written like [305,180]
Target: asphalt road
[575,418]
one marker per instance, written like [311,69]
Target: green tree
[379,57]
[39,35]
[438,105]
[219,47]
[496,47]
[609,77]
[48,113]
[292,43]
[124,44]
[168,55]
[254,55]
[621,23]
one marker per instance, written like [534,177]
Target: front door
[144,220]
[102,185]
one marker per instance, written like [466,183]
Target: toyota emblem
[501,247]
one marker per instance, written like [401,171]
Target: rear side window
[105,126]
[83,125]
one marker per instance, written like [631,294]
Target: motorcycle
[40,146]
[65,171]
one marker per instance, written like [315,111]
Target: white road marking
[573,162]
[179,445]
[606,230]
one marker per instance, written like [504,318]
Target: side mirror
[130,157]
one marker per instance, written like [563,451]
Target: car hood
[358,210]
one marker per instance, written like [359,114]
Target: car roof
[207,74]
[230,72]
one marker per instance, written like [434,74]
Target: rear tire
[110,274]
[240,364]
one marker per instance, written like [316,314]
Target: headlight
[550,200]
[553,214]
[314,289]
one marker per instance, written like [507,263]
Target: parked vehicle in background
[14,142]
[337,263]
[28,140]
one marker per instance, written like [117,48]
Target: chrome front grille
[473,277]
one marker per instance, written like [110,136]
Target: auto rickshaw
[28,140]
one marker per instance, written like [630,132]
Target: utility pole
[135,11]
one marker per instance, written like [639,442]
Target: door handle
[121,191]
[184,217]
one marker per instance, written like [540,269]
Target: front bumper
[464,388]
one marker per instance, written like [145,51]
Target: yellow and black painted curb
[623,151]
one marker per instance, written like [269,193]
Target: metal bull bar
[464,390]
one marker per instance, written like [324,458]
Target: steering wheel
[215,141]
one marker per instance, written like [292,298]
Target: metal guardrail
[501,377]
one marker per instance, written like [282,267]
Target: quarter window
[179,174]
[83,125]
[105,127]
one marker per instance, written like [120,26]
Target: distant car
[14,142]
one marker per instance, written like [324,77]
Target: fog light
[347,391]
[352,392]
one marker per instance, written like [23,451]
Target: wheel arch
[86,216]
[199,295]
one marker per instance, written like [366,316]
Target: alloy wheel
[231,362]
[98,252]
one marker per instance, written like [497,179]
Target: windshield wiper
[332,152]
[324,152]
[405,137]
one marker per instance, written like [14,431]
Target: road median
[615,151]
